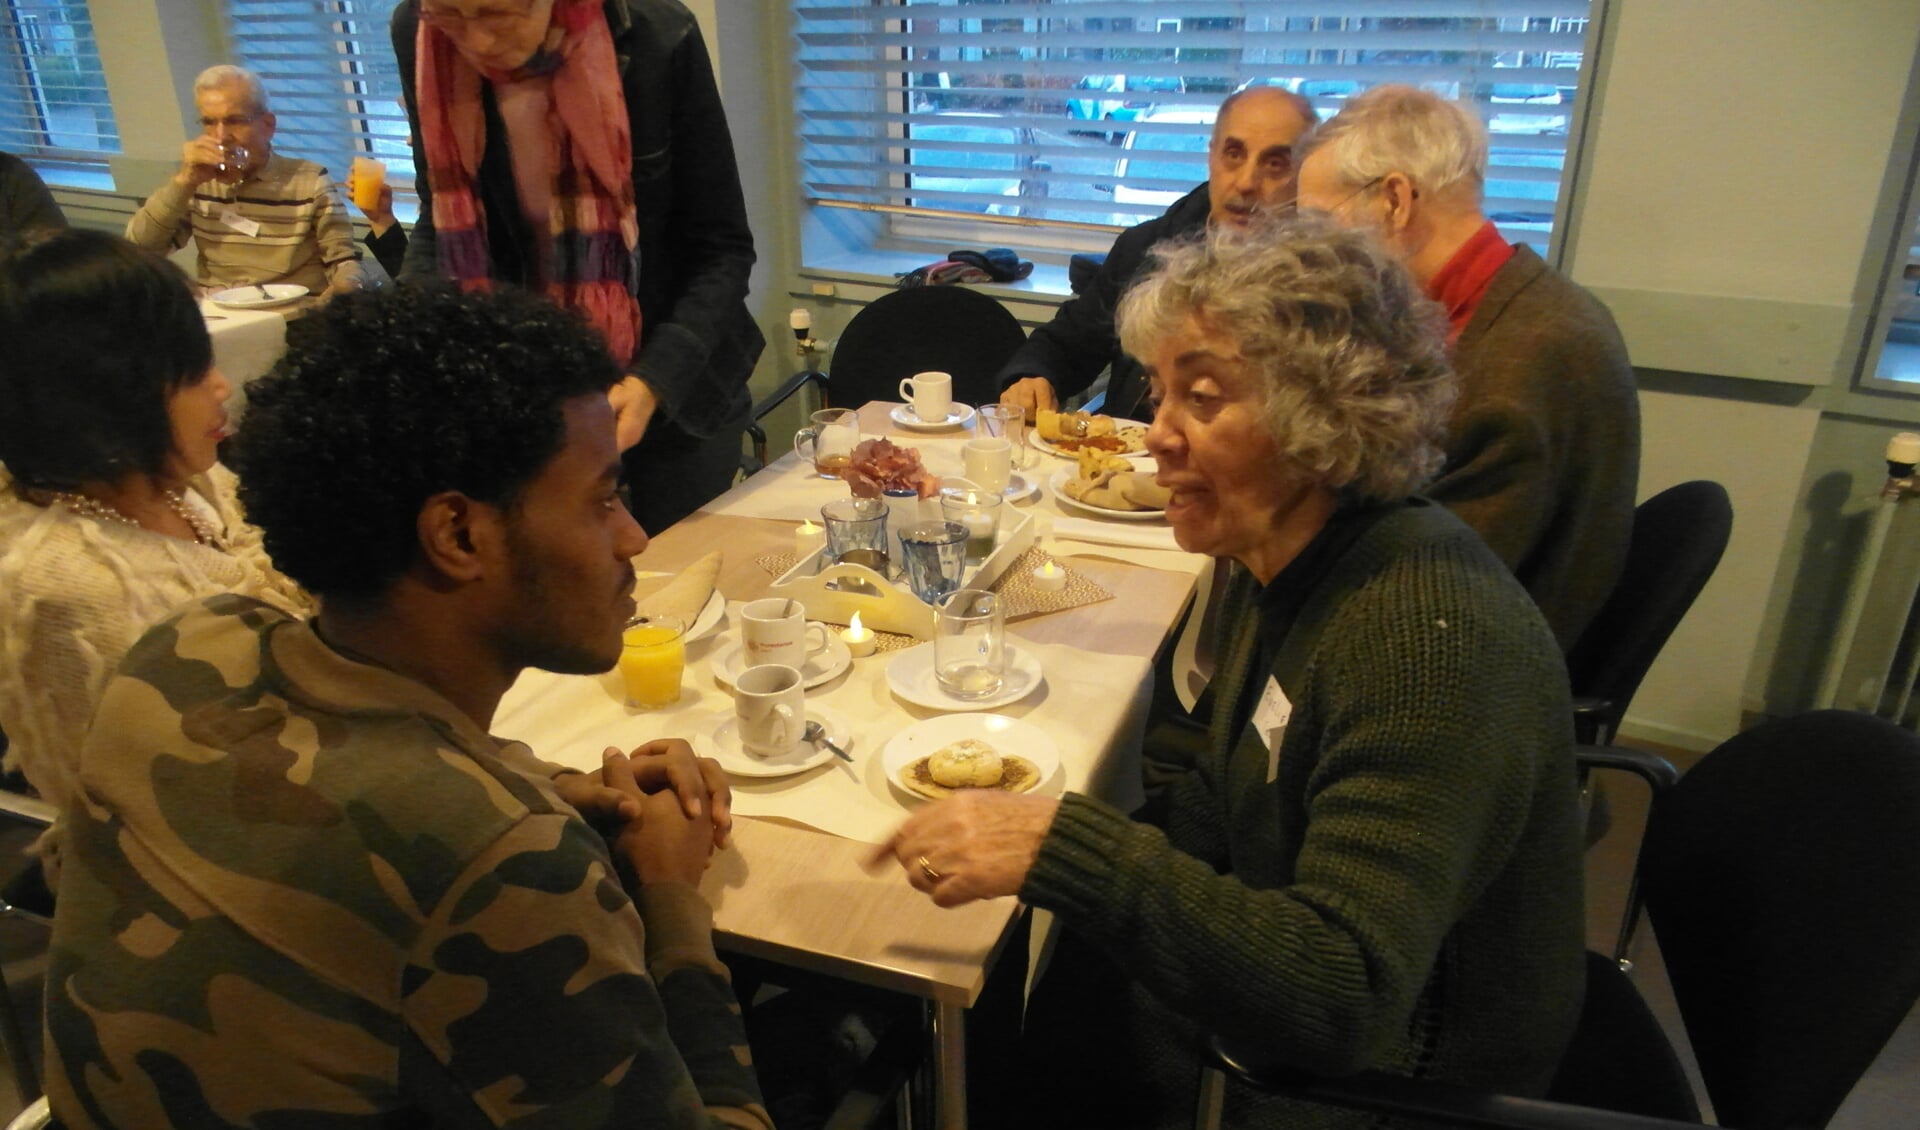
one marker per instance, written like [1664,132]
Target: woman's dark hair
[387,398]
[95,335]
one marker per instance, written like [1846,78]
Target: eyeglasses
[231,121]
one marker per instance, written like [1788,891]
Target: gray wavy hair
[1441,145]
[1350,356]
[226,74]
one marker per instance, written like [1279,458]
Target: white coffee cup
[988,462]
[931,394]
[770,708]
[776,630]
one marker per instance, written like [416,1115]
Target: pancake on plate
[968,764]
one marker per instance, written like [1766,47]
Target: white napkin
[1114,533]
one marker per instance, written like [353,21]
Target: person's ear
[1398,193]
[458,536]
[268,120]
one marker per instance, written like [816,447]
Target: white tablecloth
[246,343]
[571,719]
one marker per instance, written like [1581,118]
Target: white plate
[712,614]
[819,668]
[1033,438]
[250,298]
[903,414]
[1006,735]
[1058,483]
[910,675]
[723,745]
[1018,487]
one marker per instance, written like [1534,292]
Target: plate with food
[1108,486]
[941,756]
[1067,434]
[689,596]
[258,296]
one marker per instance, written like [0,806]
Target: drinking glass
[970,644]
[1009,422]
[857,532]
[653,654]
[936,558]
[232,167]
[979,512]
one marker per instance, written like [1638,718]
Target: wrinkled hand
[666,844]
[199,162]
[633,407]
[668,765]
[979,845]
[1033,394]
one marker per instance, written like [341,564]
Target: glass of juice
[653,655]
[368,178]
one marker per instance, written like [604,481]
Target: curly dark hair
[98,334]
[387,398]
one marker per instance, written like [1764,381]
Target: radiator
[1875,660]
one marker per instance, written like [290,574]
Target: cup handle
[790,727]
[906,389]
[826,635]
[807,435]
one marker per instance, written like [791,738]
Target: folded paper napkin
[681,595]
[1114,533]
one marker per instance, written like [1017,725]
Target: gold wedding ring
[926,868]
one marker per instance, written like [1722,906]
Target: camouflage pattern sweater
[302,891]
[1398,886]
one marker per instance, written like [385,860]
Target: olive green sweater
[1405,892]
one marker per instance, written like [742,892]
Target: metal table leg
[949,1056]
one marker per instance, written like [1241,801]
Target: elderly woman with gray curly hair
[1374,864]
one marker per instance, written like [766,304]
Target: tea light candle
[808,537]
[1050,578]
[858,638]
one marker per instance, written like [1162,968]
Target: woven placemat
[1015,586]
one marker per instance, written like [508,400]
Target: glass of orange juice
[653,654]
[367,177]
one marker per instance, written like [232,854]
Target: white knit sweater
[75,593]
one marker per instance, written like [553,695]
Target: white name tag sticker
[231,217]
[1270,722]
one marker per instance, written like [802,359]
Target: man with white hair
[1543,450]
[254,217]
[1249,170]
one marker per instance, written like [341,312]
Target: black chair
[1678,538]
[949,329]
[1780,875]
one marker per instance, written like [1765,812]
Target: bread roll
[966,764]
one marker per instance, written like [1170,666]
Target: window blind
[329,71]
[53,93]
[1098,111]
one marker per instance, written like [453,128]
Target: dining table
[246,343]
[794,887]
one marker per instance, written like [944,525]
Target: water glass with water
[970,644]
[935,557]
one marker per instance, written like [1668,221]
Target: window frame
[21,76]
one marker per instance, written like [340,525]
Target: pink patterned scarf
[586,251]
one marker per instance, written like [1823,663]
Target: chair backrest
[1620,1058]
[1782,877]
[1678,537]
[950,329]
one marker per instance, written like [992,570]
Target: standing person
[113,510]
[1249,170]
[25,204]
[270,219]
[1543,449]
[581,150]
[1374,863]
[305,886]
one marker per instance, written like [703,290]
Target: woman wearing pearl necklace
[113,508]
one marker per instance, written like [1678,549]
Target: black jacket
[698,341]
[1080,341]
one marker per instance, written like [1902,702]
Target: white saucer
[957,416]
[910,675]
[1007,735]
[1018,486]
[250,298]
[819,668]
[724,746]
[1060,495]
